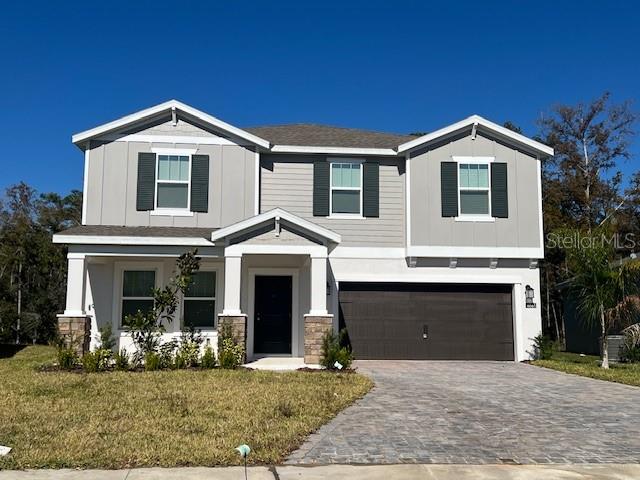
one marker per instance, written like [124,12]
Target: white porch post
[76,285]
[232,284]
[318,285]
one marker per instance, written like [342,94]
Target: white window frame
[216,270]
[185,212]
[119,269]
[474,217]
[331,187]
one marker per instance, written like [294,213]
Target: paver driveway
[480,412]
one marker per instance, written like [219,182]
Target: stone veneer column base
[238,325]
[75,332]
[315,328]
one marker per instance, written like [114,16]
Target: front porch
[268,277]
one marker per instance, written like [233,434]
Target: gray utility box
[615,343]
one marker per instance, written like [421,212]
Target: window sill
[475,218]
[171,213]
[346,216]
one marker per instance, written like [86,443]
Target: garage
[427,321]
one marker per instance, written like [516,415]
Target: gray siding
[429,228]
[111,195]
[287,182]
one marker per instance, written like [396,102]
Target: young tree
[606,290]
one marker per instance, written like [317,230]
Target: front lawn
[589,366]
[162,418]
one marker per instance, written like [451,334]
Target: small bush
[96,361]
[152,361]
[542,347]
[166,354]
[121,361]
[188,354]
[631,343]
[230,354]
[106,338]
[208,358]
[67,357]
[335,349]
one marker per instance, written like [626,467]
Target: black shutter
[320,188]
[371,188]
[499,195]
[449,188]
[145,193]
[200,183]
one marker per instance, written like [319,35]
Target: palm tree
[607,291]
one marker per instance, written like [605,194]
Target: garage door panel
[463,321]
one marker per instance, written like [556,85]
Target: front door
[272,314]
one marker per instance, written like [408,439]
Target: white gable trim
[333,150]
[275,214]
[171,105]
[477,120]
[129,240]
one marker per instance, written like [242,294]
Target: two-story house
[422,247]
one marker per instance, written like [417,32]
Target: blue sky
[394,66]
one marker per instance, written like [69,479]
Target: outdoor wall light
[529,294]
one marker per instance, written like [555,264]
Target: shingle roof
[305,134]
[119,231]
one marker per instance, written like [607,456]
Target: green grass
[169,418]
[589,366]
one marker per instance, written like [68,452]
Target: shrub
[542,347]
[106,338]
[121,360]
[631,343]
[152,361]
[208,358]
[166,354]
[335,348]
[188,354]
[230,354]
[67,357]
[96,361]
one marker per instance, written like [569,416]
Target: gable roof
[121,235]
[276,214]
[314,135]
[476,121]
[166,107]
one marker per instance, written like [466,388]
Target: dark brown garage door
[428,321]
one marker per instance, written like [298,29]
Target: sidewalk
[351,472]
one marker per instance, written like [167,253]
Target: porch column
[232,283]
[318,286]
[231,314]
[74,326]
[317,322]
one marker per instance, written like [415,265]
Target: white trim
[349,161]
[474,218]
[367,252]
[407,180]
[333,150]
[130,240]
[118,276]
[166,107]
[175,139]
[481,122]
[317,251]
[174,151]
[475,252]
[171,212]
[295,314]
[271,215]
[346,216]
[85,184]
[540,212]
[256,186]
[473,160]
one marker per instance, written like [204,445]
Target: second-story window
[474,188]
[172,185]
[346,187]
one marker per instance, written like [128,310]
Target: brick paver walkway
[480,412]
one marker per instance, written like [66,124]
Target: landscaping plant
[188,354]
[335,348]
[208,357]
[147,327]
[230,354]
[607,290]
[543,347]
[66,356]
[121,361]
[631,344]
